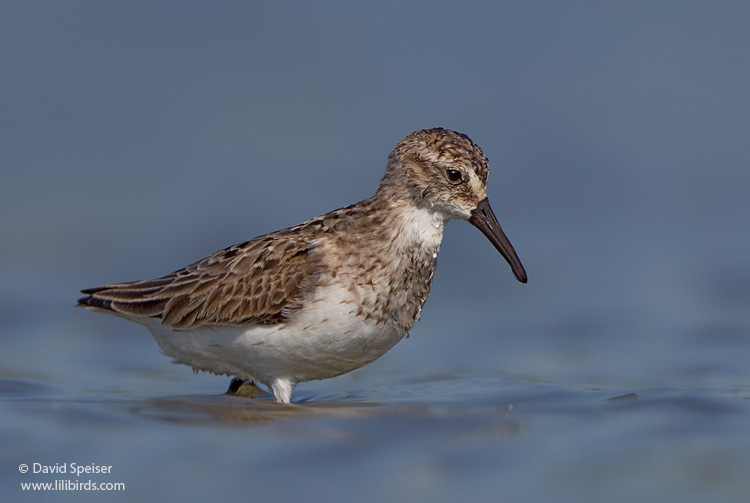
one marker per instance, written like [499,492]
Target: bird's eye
[453,175]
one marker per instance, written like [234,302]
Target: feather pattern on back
[252,283]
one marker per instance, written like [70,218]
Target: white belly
[324,339]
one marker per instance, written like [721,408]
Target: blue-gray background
[140,136]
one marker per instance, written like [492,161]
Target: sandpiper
[329,295]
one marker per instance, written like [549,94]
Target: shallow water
[445,437]
[398,429]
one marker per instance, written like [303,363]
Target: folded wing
[257,282]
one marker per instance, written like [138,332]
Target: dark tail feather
[94,302]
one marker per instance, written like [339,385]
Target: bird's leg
[242,387]
[234,385]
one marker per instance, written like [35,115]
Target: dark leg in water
[243,387]
[234,385]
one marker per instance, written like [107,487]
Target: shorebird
[329,295]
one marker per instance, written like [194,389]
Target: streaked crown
[439,168]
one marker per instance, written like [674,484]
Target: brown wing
[256,282]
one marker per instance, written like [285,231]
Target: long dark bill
[484,219]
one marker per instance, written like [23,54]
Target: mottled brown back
[249,283]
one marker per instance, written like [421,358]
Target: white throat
[421,226]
